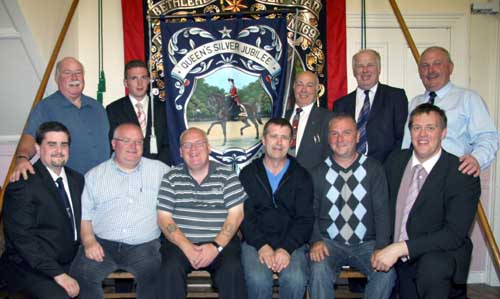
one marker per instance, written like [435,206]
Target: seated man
[278,217]
[431,250]
[119,227]
[351,205]
[41,218]
[200,207]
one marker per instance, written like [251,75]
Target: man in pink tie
[432,206]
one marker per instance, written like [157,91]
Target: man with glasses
[432,207]
[119,228]
[200,208]
[84,117]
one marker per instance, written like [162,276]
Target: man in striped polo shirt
[200,207]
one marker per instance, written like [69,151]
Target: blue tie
[362,121]
[432,96]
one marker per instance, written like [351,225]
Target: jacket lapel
[307,136]
[51,186]
[378,103]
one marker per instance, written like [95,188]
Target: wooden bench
[200,285]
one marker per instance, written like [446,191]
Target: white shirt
[304,116]
[68,193]
[428,164]
[360,99]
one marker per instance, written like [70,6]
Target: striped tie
[295,125]
[141,116]
[362,121]
[417,180]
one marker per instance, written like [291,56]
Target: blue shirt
[122,205]
[470,128]
[88,126]
[274,180]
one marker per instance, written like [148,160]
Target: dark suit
[386,121]
[121,111]
[439,222]
[38,233]
[314,147]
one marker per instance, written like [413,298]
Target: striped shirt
[121,205]
[199,210]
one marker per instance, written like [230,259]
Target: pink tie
[141,116]
[417,180]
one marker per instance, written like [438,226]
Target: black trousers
[226,271]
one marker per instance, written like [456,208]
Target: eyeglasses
[427,129]
[190,145]
[130,141]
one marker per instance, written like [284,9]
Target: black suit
[38,232]
[121,111]
[438,224]
[386,121]
[314,147]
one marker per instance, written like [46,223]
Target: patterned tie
[141,116]
[362,121]
[64,198]
[417,180]
[295,125]
[432,96]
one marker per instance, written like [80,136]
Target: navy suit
[314,147]
[121,111]
[386,121]
[39,235]
[438,224]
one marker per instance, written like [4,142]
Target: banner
[227,78]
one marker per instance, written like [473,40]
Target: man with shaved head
[84,117]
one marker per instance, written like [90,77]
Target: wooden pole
[42,87]
[481,215]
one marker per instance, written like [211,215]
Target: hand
[23,166]
[207,255]
[94,251]
[469,165]
[384,259]
[192,252]
[318,251]
[266,256]
[281,260]
[68,284]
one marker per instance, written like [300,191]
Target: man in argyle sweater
[351,214]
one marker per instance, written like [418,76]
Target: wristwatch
[219,247]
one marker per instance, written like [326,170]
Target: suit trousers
[226,272]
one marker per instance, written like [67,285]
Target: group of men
[330,190]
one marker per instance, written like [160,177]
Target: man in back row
[84,117]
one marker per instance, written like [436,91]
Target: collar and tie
[361,125]
[141,116]
[295,126]
[65,200]
[432,96]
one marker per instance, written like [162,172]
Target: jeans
[292,280]
[142,260]
[325,273]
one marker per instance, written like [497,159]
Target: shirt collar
[115,165]
[372,90]
[429,164]
[144,101]
[306,109]
[441,92]
[55,176]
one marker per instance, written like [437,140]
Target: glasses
[190,145]
[130,141]
[427,129]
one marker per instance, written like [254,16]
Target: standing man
[309,122]
[278,217]
[352,215]
[137,108]
[84,117]
[471,134]
[42,220]
[119,227]
[200,207]
[432,207]
[379,110]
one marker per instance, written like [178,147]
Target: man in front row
[119,227]
[433,204]
[278,217]
[42,218]
[200,207]
[351,206]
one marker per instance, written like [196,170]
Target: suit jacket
[386,121]
[314,147]
[121,111]
[443,212]
[38,232]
